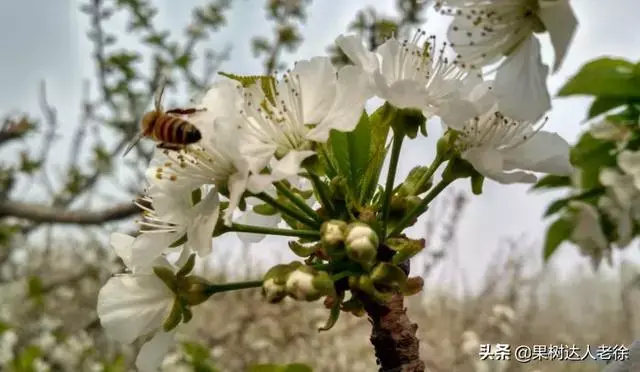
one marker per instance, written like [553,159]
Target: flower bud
[307,284]
[362,243]
[332,234]
[274,281]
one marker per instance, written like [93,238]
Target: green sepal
[188,266]
[334,314]
[265,210]
[174,318]
[300,250]
[167,276]
[389,275]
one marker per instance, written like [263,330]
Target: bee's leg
[169,146]
[183,111]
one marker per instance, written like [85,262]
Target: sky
[46,40]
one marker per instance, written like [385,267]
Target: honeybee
[171,131]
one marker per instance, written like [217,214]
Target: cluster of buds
[349,257]
[297,281]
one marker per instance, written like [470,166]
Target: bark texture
[393,337]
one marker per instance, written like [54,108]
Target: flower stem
[287,210]
[391,176]
[217,288]
[421,207]
[437,162]
[298,201]
[321,188]
[237,227]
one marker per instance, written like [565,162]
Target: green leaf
[380,124]
[351,152]
[591,155]
[294,367]
[199,357]
[558,232]
[552,181]
[556,206]
[604,77]
[605,104]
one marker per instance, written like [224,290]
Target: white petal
[353,91]
[490,163]
[237,185]
[223,100]
[389,52]
[254,219]
[545,152]
[149,246]
[587,232]
[122,244]
[290,165]
[629,162]
[203,222]
[521,83]
[132,306]
[317,87]
[561,23]
[153,352]
[171,202]
[353,47]
[405,93]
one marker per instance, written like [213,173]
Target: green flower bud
[273,285]
[362,243]
[307,284]
[332,233]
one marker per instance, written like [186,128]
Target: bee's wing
[134,141]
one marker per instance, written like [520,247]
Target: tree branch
[46,214]
[393,336]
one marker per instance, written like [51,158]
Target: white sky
[46,40]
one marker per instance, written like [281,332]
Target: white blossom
[587,231]
[136,304]
[504,149]
[484,31]
[609,131]
[216,159]
[308,102]
[410,74]
[169,214]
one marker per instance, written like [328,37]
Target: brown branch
[393,336]
[44,214]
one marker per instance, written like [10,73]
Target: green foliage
[198,356]
[615,83]
[558,232]
[605,77]
[350,152]
[295,367]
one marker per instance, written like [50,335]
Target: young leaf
[351,152]
[380,124]
[604,77]
[266,82]
[552,181]
[558,232]
[604,104]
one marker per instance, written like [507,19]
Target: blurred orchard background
[75,77]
